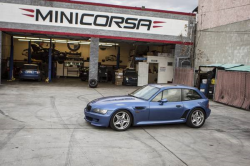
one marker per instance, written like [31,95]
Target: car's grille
[89,118]
[88,108]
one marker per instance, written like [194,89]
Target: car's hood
[116,99]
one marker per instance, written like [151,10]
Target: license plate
[29,72]
[84,73]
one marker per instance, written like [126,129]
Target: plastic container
[213,81]
[204,88]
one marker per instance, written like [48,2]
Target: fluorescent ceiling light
[44,39]
[23,40]
[30,38]
[65,41]
[60,41]
[85,43]
[73,41]
[48,41]
[106,45]
[36,40]
[18,37]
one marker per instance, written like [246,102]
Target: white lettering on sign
[27,14]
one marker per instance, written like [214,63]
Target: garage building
[64,36]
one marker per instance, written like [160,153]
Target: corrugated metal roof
[225,66]
[212,65]
[228,66]
[240,68]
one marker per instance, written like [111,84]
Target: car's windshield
[145,92]
[30,67]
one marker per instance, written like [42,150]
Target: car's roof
[171,86]
[30,64]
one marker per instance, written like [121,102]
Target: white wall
[165,72]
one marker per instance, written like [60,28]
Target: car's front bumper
[130,82]
[96,119]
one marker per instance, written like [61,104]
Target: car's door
[170,110]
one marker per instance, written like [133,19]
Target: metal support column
[93,62]
[50,60]
[1,57]
[118,58]
[29,52]
[11,58]
[94,58]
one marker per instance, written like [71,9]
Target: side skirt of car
[161,122]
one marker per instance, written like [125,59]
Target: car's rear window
[30,67]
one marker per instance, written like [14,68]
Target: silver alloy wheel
[121,120]
[197,117]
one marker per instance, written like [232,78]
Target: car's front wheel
[196,118]
[121,120]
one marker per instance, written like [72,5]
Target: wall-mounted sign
[27,14]
[154,61]
[140,58]
[162,69]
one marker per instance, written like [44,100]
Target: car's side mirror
[163,101]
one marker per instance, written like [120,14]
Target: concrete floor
[42,124]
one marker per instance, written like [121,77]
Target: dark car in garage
[130,77]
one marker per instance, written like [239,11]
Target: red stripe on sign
[28,10]
[157,26]
[159,22]
[124,7]
[29,15]
[96,36]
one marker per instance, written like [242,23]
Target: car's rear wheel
[196,118]
[121,120]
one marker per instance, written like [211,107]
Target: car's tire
[121,120]
[93,83]
[196,118]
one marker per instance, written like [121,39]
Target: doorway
[153,73]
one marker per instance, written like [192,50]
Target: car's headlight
[38,72]
[100,111]
[21,72]
[126,78]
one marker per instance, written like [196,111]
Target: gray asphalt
[42,124]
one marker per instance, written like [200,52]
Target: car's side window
[172,95]
[189,94]
[157,98]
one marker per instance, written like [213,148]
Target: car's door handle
[178,106]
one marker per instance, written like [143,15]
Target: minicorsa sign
[27,14]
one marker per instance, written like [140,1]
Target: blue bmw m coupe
[150,105]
